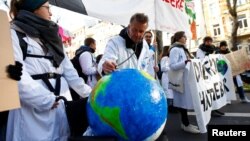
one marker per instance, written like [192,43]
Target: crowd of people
[46,72]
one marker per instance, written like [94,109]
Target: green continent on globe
[108,115]
[222,66]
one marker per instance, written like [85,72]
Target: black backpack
[22,43]
[75,60]
[24,47]
[77,66]
[76,63]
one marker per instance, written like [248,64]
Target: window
[242,21]
[216,28]
[214,9]
[241,2]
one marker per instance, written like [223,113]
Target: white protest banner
[225,70]
[212,85]
[9,98]
[164,15]
[170,16]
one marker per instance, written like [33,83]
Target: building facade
[101,32]
[77,39]
[219,21]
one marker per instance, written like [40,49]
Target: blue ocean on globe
[128,104]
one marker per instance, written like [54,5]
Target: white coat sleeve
[239,81]
[200,54]
[73,79]
[86,62]
[110,54]
[165,64]
[176,60]
[31,92]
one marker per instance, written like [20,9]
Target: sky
[71,20]
[67,19]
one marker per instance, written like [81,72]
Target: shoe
[88,132]
[216,113]
[193,126]
[245,100]
[229,102]
[190,129]
[219,112]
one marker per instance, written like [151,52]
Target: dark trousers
[240,89]
[3,125]
[184,116]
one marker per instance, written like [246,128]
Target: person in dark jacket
[223,49]
[204,50]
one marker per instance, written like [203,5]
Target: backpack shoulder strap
[22,43]
[24,47]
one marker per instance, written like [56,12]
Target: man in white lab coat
[128,49]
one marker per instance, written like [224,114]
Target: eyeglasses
[47,7]
[148,36]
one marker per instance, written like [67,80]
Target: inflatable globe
[128,104]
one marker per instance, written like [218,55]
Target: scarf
[137,48]
[224,51]
[207,49]
[46,31]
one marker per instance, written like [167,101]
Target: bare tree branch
[232,8]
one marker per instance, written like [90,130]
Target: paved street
[236,114]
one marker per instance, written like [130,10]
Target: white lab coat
[117,52]
[164,80]
[35,120]
[152,63]
[89,67]
[177,59]
[200,54]
[239,80]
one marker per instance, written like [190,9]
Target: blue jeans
[240,89]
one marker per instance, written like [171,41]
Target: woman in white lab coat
[47,72]
[164,80]
[179,56]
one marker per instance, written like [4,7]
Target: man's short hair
[207,38]
[139,17]
[88,41]
[148,32]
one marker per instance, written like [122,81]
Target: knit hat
[223,43]
[32,5]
